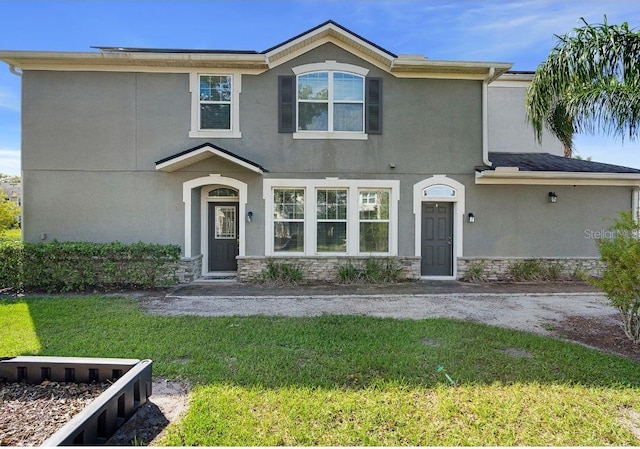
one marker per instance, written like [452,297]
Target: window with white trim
[373,217]
[288,220]
[331,217]
[331,207]
[330,101]
[215,102]
[214,105]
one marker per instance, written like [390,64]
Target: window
[215,102]
[331,217]
[214,111]
[223,192]
[288,220]
[330,101]
[438,191]
[373,211]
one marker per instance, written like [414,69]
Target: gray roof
[553,163]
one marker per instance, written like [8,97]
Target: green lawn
[337,380]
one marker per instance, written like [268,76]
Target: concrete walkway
[528,307]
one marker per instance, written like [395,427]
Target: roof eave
[511,176]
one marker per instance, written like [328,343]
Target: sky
[521,32]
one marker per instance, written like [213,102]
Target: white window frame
[288,220]
[370,220]
[331,67]
[194,88]
[353,187]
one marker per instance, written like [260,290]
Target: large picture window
[330,101]
[331,206]
[288,220]
[373,216]
[331,217]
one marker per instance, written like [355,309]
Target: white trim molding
[511,175]
[211,180]
[458,214]
[329,66]
[194,89]
[353,186]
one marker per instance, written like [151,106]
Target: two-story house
[322,149]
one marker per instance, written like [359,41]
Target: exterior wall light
[249,216]
[471,217]
[553,197]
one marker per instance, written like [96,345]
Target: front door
[223,236]
[437,239]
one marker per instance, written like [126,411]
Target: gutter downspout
[12,69]
[485,119]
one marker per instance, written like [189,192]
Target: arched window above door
[223,192]
[439,191]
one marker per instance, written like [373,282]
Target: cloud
[10,161]
[9,100]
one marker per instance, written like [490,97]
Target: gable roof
[202,152]
[550,169]
[252,62]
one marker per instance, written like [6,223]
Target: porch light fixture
[471,217]
[249,216]
[553,197]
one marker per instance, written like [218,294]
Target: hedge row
[80,266]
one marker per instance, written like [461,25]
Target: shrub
[282,273]
[620,279]
[527,270]
[372,272]
[78,266]
[475,272]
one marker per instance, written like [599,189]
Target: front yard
[337,380]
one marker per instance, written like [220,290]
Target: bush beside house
[80,266]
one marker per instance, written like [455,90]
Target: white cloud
[9,100]
[10,161]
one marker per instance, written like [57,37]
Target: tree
[590,81]
[9,212]
[620,279]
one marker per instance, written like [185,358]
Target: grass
[338,380]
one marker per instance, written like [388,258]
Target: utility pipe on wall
[485,118]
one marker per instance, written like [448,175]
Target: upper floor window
[329,100]
[214,105]
[215,102]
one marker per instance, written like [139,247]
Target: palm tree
[590,81]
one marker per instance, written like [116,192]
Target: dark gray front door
[223,236]
[437,239]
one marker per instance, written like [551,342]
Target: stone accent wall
[189,269]
[321,268]
[497,268]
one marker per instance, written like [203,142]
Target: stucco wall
[509,130]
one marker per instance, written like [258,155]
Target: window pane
[314,86]
[332,237]
[331,204]
[225,222]
[223,192]
[374,237]
[288,236]
[215,116]
[439,190]
[374,204]
[288,204]
[347,87]
[348,117]
[313,116]
[215,88]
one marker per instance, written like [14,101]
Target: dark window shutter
[373,105]
[286,104]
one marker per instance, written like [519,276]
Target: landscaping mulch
[29,414]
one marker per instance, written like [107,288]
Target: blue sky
[518,31]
